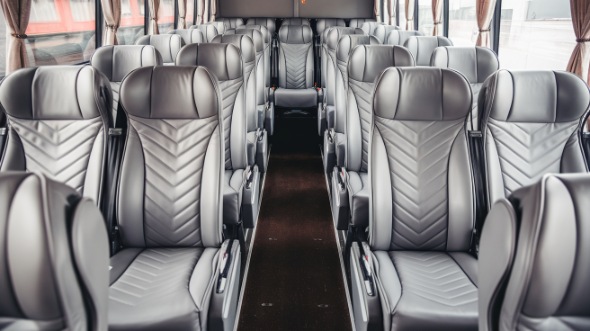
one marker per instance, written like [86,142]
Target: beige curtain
[213,10]
[389,12]
[16,13]
[409,14]
[200,11]
[437,6]
[484,9]
[111,10]
[154,7]
[579,62]
[182,14]
[206,11]
[377,10]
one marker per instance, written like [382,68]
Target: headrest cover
[190,36]
[422,47]
[268,23]
[347,43]
[220,26]
[115,62]
[382,31]
[324,23]
[254,36]
[369,27]
[334,34]
[399,37]
[169,92]
[535,96]
[209,31]
[222,60]
[422,94]
[357,22]
[242,42]
[264,31]
[295,21]
[475,63]
[167,44]
[56,93]
[367,62]
[295,34]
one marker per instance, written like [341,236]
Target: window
[536,34]
[463,29]
[132,21]
[166,16]
[190,13]
[3,44]
[402,14]
[61,31]
[425,22]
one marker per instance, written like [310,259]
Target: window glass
[3,44]
[190,13]
[536,34]
[425,22]
[61,31]
[402,14]
[462,22]
[166,16]
[132,21]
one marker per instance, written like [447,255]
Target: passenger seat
[358,22]
[295,21]
[369,27]
[422,47]
[382,31]
[321,29]
[209,31]
[399,37]
[167,44]
[231,23]
[268,23]
[190,35]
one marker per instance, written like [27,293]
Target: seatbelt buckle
[342,178]
[330,134]
[224,266]
[248,177]
[115,131]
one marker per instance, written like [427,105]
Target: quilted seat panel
[295,56]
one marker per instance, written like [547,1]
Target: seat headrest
[170,92]
[190,35]
[295,34]
[422,47]
[347,43]
[115,62]
[268,23]
[334,34]
[369,27]
[220,26]
[167,44]
[295,21]
[222,60]
[254,35]
[242,42]
[231,23]
[399,37]
[475,63]
[324,23]
[534,96]
[422,94]
[209,31]
[266,37]
[358,22]
[382,31]
[367,62]
[56,93]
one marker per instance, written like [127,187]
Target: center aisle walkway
[295,280]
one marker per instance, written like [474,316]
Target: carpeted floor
[295,281]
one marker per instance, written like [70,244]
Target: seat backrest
[382,31]
[170,189]
[534,256]
[365,64]
[190,35]
[370,26]
[209,31]
[267,38]
[268,23]
[322,24]
[295,57]
[261,90]
[295,21]
[58,118]
[221,26]
[331,44]
[225,63]
[531,124]
[399,37]
[475,63]
[420,172]
[422,47]
[115,62]
[54,256]
[358,22]
[167,44]
[231,23]
[346,44]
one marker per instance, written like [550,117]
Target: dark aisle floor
[295,281]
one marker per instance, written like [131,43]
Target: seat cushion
[232,195]
[429,290]
[306,97]
[358,195]
[160,288]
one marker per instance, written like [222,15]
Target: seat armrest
[329,153]
[340,207]
[366,304]
[224,297]
[251,198]
[340,148]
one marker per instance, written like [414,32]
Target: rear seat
[209,31]
[190,35]
[370,26]
[167,44]
[382,31]
[295,21]
[220,26]
[358,22]
[168,276]
[399,37]
[268,23]
[422,47]
[231,23]
[321,29]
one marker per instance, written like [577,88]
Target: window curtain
[200,11]
[377,10]
[484,9]
[16,13]
[154,7]
[437,6]
[182,14]
[205,11]
[213,10]
[111,10]
[409,14]
[579,62]
[389,12]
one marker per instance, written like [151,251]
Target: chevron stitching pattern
[115,87]
[434,277]
[296,68]
[156,278]
[229,92]
[59,149]
[174,152]
[418,153]
[363,93]
[527,151]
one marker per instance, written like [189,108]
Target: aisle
[295,280]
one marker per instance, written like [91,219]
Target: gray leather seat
[58,119]
[224,62]
[369,27]
[167,44]
[321,29]
[115,62]
[534,256]
[209,31]
[231,23]
[475,63]
[295,68]
[268,23]
[421,202]
[358,22]
[54,256]
[220,26]
[422,47]
[399,37]
[531,125]
[190,35]
[322,24]
[381,32]
[169,206]
[295,21]
[366,63]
